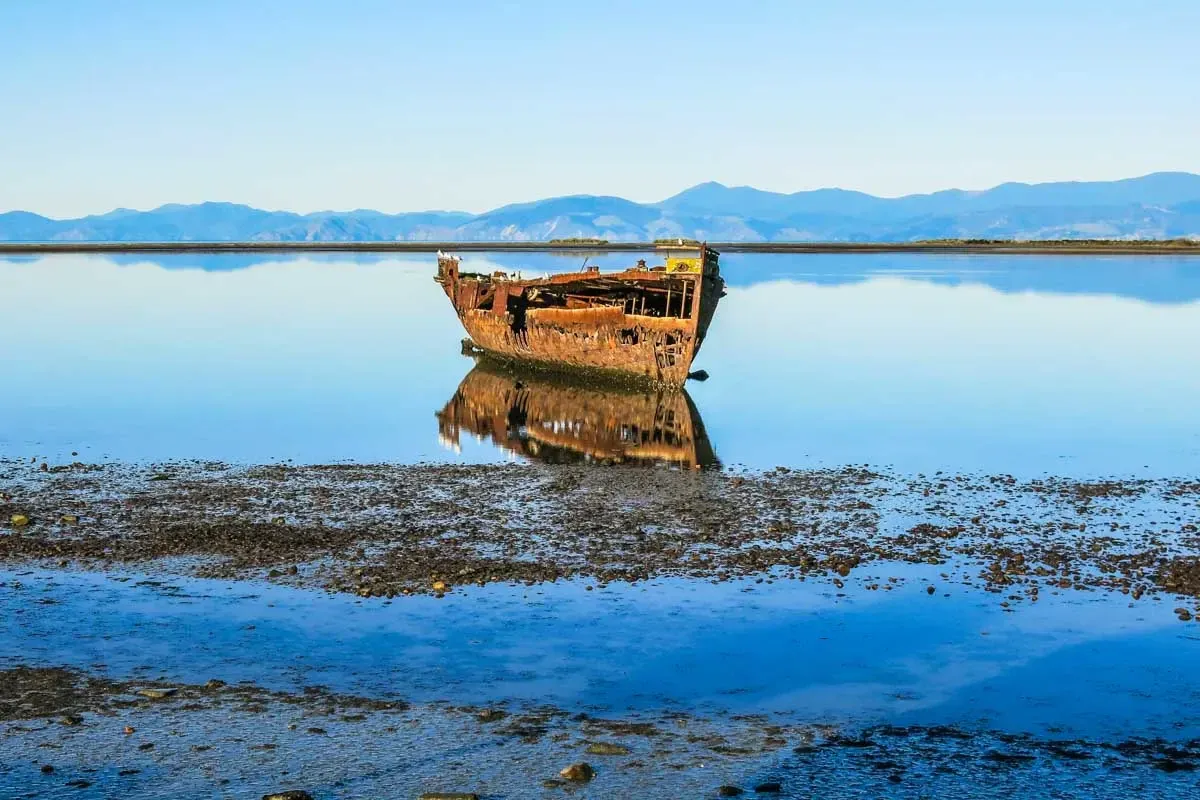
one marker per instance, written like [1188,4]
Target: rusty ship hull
[645,323]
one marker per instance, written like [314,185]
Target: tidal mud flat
[387,531]
[67,734]
[351,630]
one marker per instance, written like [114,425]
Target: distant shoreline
[1062,247]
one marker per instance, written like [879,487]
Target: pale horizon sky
[414,105]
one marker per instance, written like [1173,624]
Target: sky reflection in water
[1094,667]
[1066,365]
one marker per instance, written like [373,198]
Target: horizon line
[1177,246]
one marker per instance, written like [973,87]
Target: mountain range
[1161,205]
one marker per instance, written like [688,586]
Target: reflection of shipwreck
[646,322]
[545,418]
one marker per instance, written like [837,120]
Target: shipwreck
[645,323]
[546,417]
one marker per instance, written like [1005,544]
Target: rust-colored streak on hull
[638,346]
[561,422]
[643,323]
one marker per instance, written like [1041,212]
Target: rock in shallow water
[580,773]
[290,794]
[491,715]
[607,749]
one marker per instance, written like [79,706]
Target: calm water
[1091,666]
[1066,365]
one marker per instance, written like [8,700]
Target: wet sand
[352,630]
[66,732]
[382,530]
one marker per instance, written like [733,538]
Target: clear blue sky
[466,104]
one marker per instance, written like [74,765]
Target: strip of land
[950,246]
[65,732]
[389,531]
